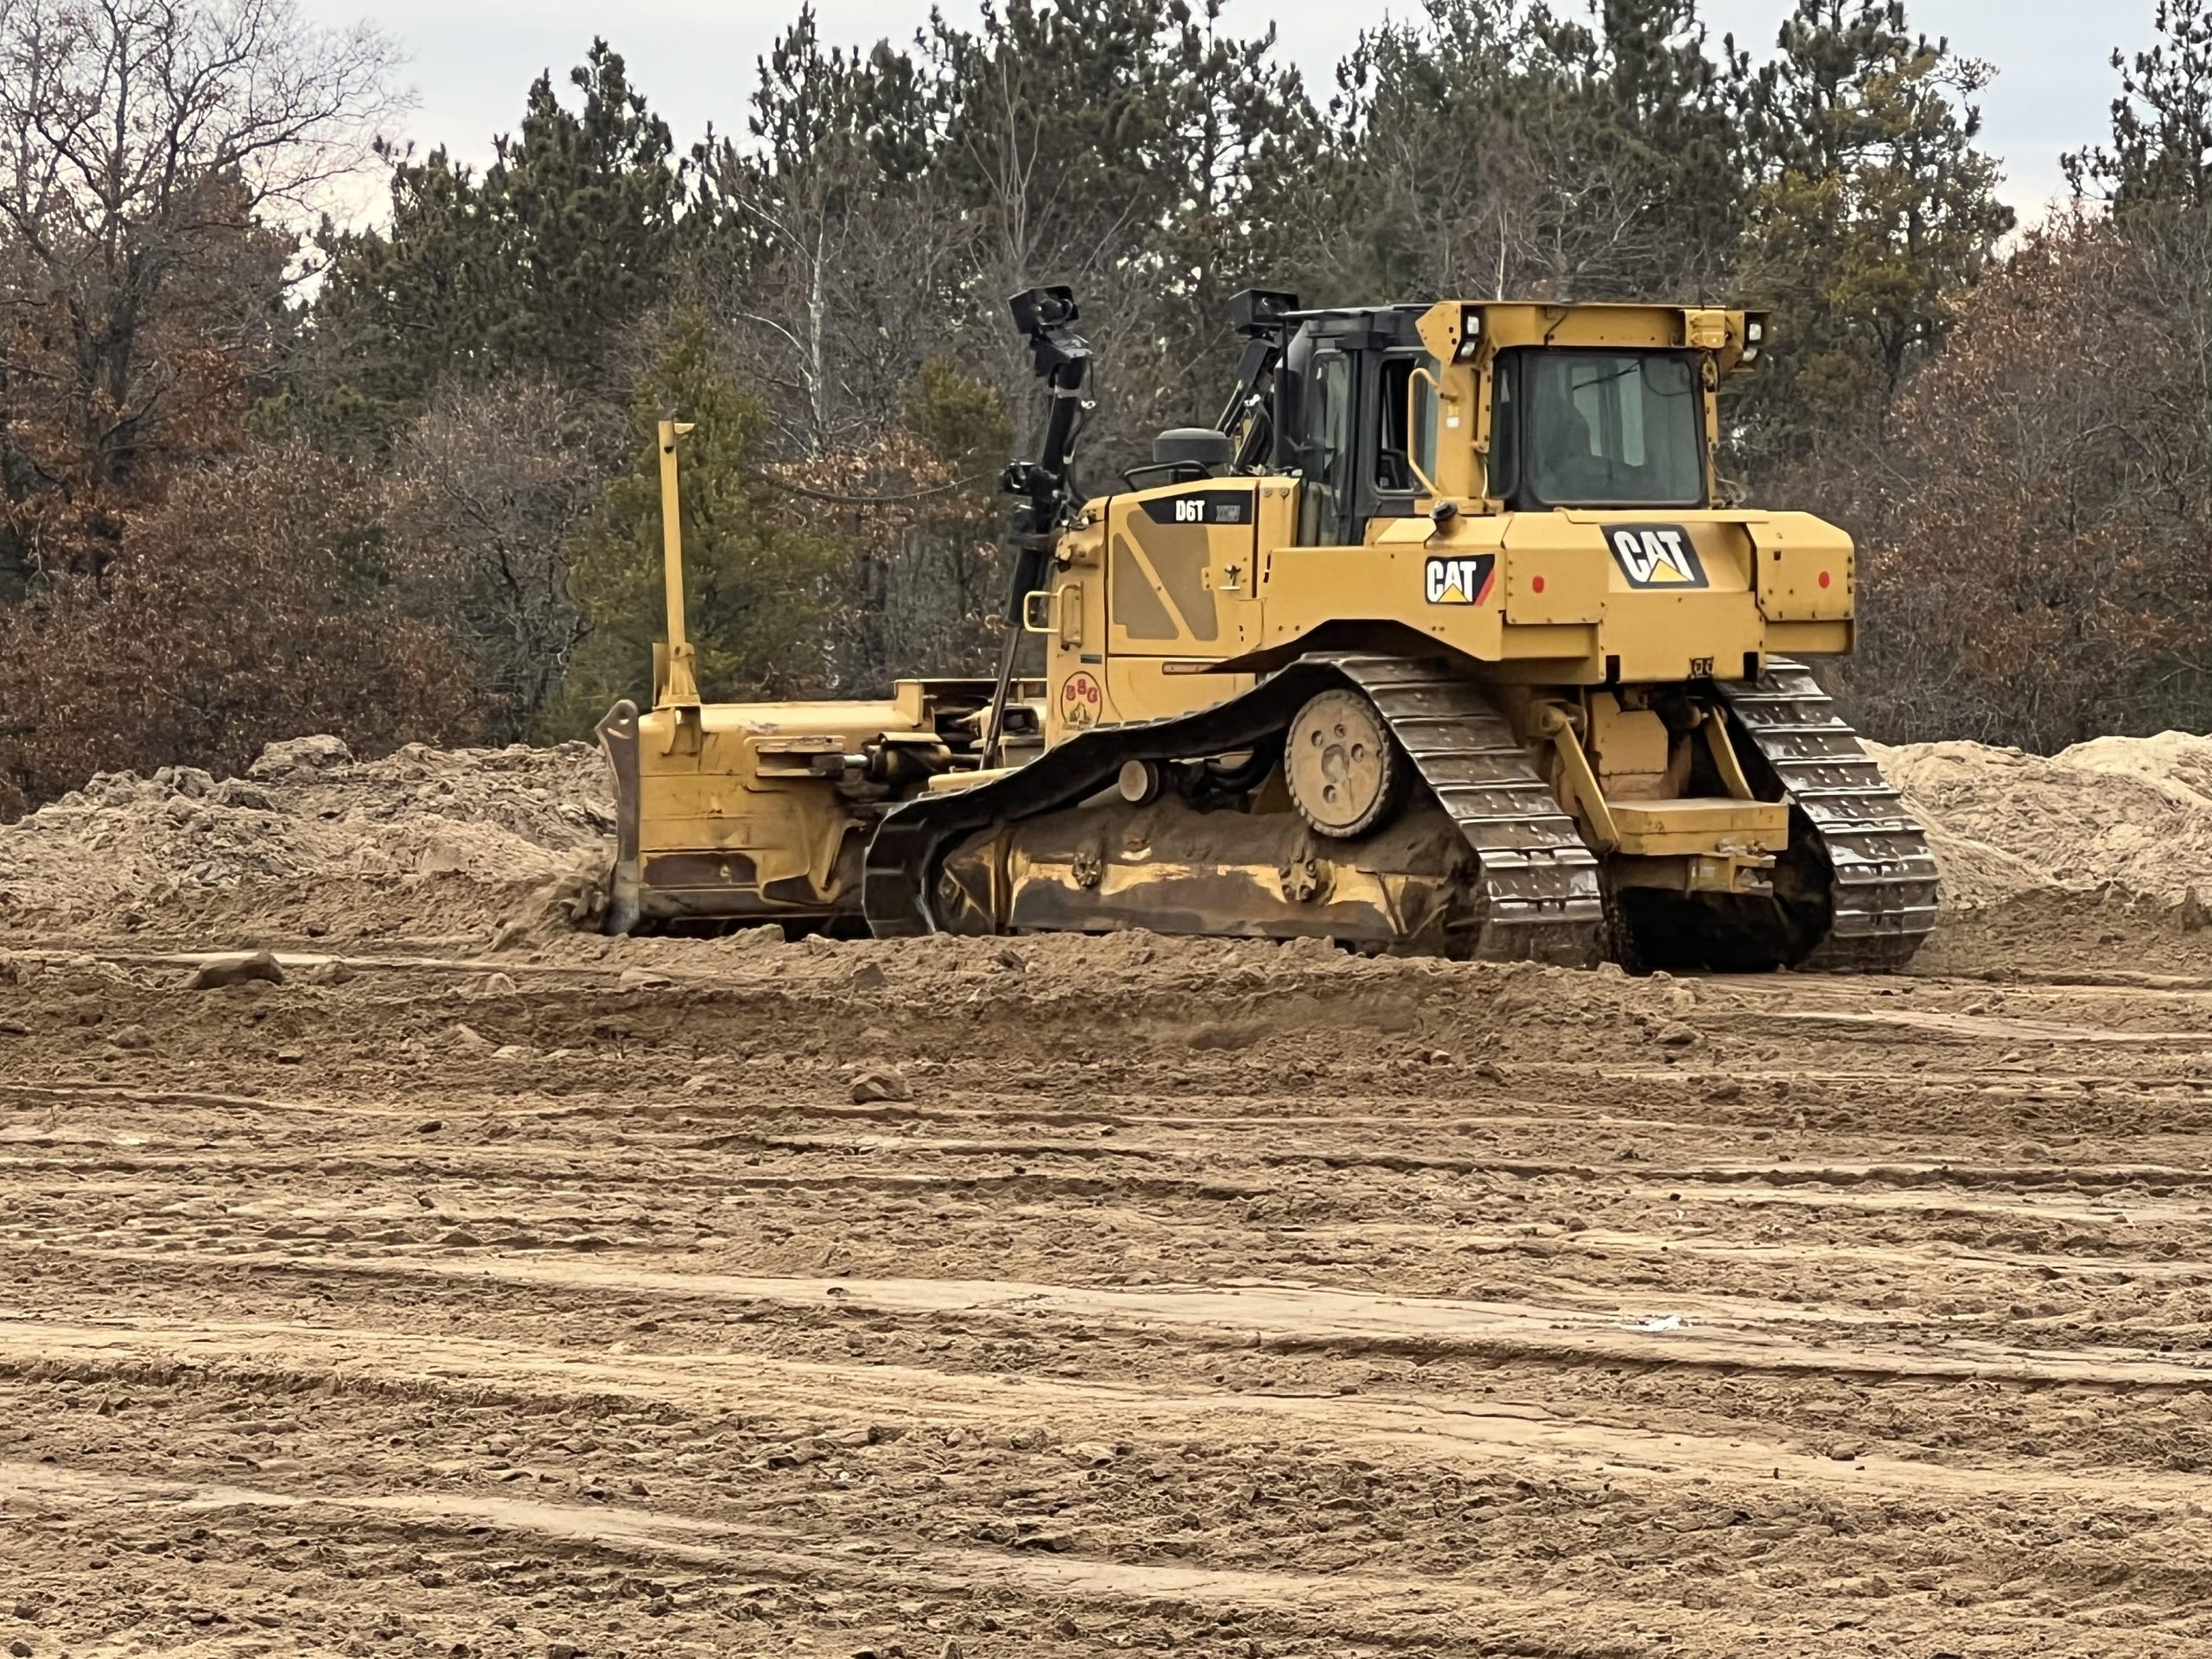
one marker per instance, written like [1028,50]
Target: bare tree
[152,155]
[490,483]
[841,293]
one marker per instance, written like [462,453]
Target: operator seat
[1563,466]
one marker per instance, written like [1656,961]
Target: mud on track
[1206,1298]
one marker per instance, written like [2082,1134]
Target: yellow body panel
[1557,595]
[711,821]
[1667,829]
[1155,589]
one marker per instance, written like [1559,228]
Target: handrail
[1413,459]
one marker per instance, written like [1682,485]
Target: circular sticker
[1080,700]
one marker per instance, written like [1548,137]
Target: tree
[1653,119]
[399,310]
[2034,567]
[486,489]
[761,593]
[1237,127]
[917,516]
[2161,152]
[826,250]
[537,268]
[1492,147]
[1875,210]
[590,201]
[148,150]
[1083,141]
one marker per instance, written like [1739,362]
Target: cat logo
[1465,580]
[1655,556]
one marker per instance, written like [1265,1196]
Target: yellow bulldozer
[1445,638]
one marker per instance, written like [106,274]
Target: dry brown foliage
[922,580]
[252,605]
[2035,519]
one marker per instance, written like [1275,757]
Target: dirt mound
[2129,813]
[508,846]
[307,814]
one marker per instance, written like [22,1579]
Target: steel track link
[1541,897]
[1885,889]
[1539,883]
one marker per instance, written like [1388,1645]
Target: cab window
[1328,457]
[1599,428]
[1504,459]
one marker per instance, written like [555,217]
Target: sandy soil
[1215,1299]
[483,1288]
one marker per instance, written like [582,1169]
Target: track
[1210,1299]
[1538,897]
[1880,897]
[1861,893]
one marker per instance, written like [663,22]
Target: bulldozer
[1446,638]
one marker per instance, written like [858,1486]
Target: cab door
[1327,460]
[1181,573]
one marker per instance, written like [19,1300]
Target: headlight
[1470,333]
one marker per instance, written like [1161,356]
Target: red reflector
[1535,584]
[1824,578]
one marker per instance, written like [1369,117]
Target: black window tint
[1505,428]
[1328,449]
[1396,449]
[1612,429]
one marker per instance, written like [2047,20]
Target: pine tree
[759,595]
[1876,209]
[1492,147]
[536,267]
[399,309]
[2161,154]
[1653,126]
[585,203]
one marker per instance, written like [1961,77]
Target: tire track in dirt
[1720,1335]
[1241,1301]
[1522,1437]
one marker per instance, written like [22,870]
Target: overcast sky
[470,64]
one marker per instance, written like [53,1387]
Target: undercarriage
[1197,824]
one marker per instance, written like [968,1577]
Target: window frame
[1421,437]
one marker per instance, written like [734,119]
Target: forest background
[261,473]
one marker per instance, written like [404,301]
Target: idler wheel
[1345,774]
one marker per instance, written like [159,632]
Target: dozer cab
[1444,639]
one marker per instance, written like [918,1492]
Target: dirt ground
[487,1288]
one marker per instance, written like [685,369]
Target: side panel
[1805,569]
[1555,570]
[1178,577]
[1447,584]
[1576,598]
[1075,644]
